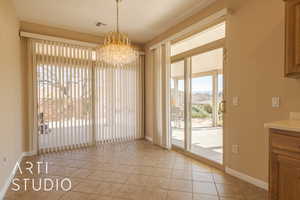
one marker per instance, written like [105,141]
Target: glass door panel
[206,102]
[177,103]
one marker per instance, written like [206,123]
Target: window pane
[202,89]
[207,89]
[177,103]
[209,35]
[208,61]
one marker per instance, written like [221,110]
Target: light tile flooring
[131,171]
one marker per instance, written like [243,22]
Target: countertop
[286,125]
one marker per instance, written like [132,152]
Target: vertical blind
[160,58]
[118,102]
[81,100]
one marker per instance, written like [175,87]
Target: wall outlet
[235,101]
[235,148]
[275,102]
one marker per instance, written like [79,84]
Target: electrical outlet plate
[235,149]
[235,101]
[275,102]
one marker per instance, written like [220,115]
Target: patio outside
[205,141]
[206,114]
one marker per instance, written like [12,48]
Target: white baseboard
[249,179]
[30,153]
[148,138]
[12,174]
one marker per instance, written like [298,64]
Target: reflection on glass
[177,103]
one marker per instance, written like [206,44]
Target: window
[209,35]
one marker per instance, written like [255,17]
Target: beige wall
[254,73]
[12,94]
[255,43]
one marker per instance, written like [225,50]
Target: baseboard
[13,172]
[30,153]
[149,139]
[11,176]
[249,179]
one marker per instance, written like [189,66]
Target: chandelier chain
[117,49]
[117,15]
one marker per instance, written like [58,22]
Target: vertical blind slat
[47,96]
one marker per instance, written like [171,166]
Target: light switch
[275,102]
[235,101]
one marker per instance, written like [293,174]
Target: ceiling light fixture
[117,49]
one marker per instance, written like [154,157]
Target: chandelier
[117,49]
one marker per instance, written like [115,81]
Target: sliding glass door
[64,98]
[196,104]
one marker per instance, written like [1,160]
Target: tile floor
[128,171]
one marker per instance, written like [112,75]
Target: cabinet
[292,38]
[284,173]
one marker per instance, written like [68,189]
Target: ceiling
[142,20]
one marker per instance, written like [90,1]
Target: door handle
[222,106]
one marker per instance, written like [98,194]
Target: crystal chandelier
[117,49]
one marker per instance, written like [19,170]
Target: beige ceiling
[141,19]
